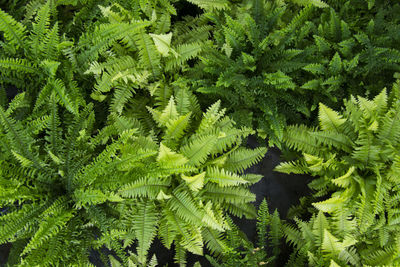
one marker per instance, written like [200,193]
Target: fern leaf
[145,221]
[211,4]
[183,204]
[243,158]
[176,127]
[291,167]
[14,32]
[121,96]
[185,53]
[329,205]
[199,149]
[298,138]
[17,64]
[329,119]
[143,187]
[162,43]
[84,198]
[234,195]
[223,178]
[170,158]
[47,229]
[214,241]
[149,57]
[331,245]
[195,182]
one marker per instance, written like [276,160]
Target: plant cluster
[275,61]
[354,157]
[129,120]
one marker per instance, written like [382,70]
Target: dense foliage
[354,157]
[122,122]
[275,62]
[243,252]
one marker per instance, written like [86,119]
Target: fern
[239,251]
[353,178]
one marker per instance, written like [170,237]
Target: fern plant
[196,177]
[354,157]
[44,156]
[243,252]
[274,61]
[67,188]
[33,58]
[352,54]
[251,60]
[137,50]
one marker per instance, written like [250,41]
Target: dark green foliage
[272,62]
[243,252]
[354,157]
[33,58]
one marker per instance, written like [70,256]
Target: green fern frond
[198,150]
[14,32]
[298,138]
[210,4]
[223,178]
[143,187]
[243,158]
[47,230]
[16,64]
[234,195]
[144,224]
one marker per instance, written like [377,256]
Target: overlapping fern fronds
[353,156]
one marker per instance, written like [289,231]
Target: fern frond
[144,187]
[17,64]
[234,195]
[144,225]
[223,178]
[211,4]
[198,150]
[14,32]
[298,138]
[214,241]
[183,204]
[243,158]
[47,230]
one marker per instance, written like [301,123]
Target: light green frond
[169,113]
[145,221]
[149,56]
[235,195]
[85,198]
[223,178]
[331,245]
[329,205]
[214,241]
[331,138]
[184,53]
[211,4]
[168,157]
[243,158]
[144,187]
[184,205]
[163,43]
[329,119]
[298,138]
[48,229]
[291,167]
[176,127]
[198,150]
[195,182]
